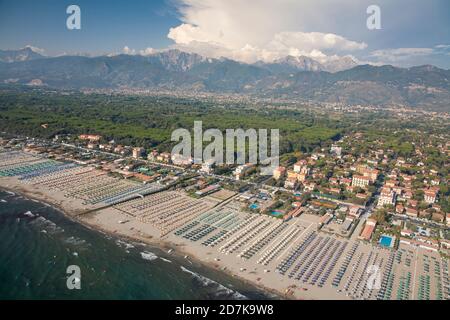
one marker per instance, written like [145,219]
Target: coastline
[178,251]
[303,263]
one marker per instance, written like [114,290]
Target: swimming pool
[386,241]
[276,213]
[254,206]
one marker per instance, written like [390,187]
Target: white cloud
[400,54]
[144,52]
[147,51]
[315,41]
[407,57]
[249,31]
[443,49]
[127,50]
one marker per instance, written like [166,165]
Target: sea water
[38,243]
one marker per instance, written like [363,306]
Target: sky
[413,32]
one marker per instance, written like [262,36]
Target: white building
[180,160]
[242,170]
[387,197]
[429,196]
[360,181]
[208,166]
[336,150]
[138,152]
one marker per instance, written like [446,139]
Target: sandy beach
[106,221]
[109,220]
[327,257]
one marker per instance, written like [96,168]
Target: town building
[92,146]
[360,181]
[242,170]
[279,172]
[164,157]
[299,165]
[208,166]
[290,183]
[387,197]
[368,230]
[430,196]
[180,160]
[355,211]
[336,150]
[90,137]
[411,212]
[138,152]
[399,208]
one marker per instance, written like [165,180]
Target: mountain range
[302,78]
[24,54]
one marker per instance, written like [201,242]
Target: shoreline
[225,267]
[161,244]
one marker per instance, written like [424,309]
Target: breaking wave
[220,290]
[29,214]
[45,224]
[75,241]
[150,256]
[124,244]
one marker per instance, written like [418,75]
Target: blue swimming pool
[254,206]
[276,213]
[386,241]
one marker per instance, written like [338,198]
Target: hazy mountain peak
[25,54]
[426,67]
[302,63]
[34,49]
[177,60]
[340,64]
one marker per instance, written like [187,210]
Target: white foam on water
[221,289]
[124,244]
[47,225]
[3,200]
[29,214]
[75,241]
[150,256]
